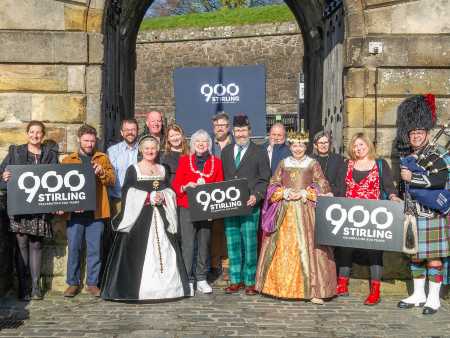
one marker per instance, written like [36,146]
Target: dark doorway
[121,26]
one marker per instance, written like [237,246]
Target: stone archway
[121,24]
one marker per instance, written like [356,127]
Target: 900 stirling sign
[359,223]
[220,93]
[219,200]
[50,187]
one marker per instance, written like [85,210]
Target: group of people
[151,249]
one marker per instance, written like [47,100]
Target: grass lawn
[223,17]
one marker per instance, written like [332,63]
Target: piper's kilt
[434,237]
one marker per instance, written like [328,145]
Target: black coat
[334,168]
[254,166]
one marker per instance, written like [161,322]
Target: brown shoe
[72,291]
[233,288]
[250,290]
[93,290]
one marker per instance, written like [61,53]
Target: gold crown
[298,136]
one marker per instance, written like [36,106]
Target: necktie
[237,160]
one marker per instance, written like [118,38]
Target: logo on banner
[219,199]
[220,93]
[51,183]
[359,217]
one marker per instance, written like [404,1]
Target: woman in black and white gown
[145,261]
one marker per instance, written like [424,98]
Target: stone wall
[415,60]
[278,46]
[50,70]
[50,67]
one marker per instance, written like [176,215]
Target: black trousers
[345,258]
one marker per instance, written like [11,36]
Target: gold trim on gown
[291,265]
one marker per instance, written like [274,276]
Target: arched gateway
[322,26]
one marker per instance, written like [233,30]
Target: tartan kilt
[434,237]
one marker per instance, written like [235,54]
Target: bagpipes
[424,162]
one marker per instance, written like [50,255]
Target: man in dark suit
[244,159]
[276,148]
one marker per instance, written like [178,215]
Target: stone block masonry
[278,46]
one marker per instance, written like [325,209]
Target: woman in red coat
[199,167]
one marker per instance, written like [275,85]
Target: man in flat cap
[244,159]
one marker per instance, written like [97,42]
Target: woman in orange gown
[291,265]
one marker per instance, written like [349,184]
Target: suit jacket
[254,167]
[279,152]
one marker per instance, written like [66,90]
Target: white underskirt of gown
[154,283]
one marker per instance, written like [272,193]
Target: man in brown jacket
[88,225]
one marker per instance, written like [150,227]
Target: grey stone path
[217,315]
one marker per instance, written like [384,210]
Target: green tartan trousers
[242,245]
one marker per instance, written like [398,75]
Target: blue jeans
[91,231]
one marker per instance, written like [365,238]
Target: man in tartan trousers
[244,159]
[416,117]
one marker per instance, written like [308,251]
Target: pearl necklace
[201,180]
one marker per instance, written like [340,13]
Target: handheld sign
[360,223]
[45,188]
[219,200]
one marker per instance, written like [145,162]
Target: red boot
[374,296]
[342,286]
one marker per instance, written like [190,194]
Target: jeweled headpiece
[298,136]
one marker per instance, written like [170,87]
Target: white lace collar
[141,177]
[294,163]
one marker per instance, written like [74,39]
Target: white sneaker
[191,288]
[204,287]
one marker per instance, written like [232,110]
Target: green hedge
[223,17]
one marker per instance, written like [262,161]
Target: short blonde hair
[148,139]
[363,137]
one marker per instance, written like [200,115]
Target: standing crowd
[141,243]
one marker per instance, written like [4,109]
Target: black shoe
[429,311]
[403,305]
[24,295]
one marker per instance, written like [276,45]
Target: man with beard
[244,159]
[122,155]
[219,258]
[88,225]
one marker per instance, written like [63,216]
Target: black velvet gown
[145,263]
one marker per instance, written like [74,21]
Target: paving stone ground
[217,315]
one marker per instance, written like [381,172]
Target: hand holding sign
[360,223]
[219,200]
[98,169]
[251,201]
[6,175]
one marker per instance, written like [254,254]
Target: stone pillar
[50,70]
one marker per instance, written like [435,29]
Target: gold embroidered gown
[291,265]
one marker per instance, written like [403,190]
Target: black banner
[360,223]
[219,200]
[201,92]
[45,188]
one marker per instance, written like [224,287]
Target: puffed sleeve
[319,179]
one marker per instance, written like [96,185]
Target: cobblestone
[217,315]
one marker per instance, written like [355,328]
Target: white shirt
[270,152]
[244,149]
